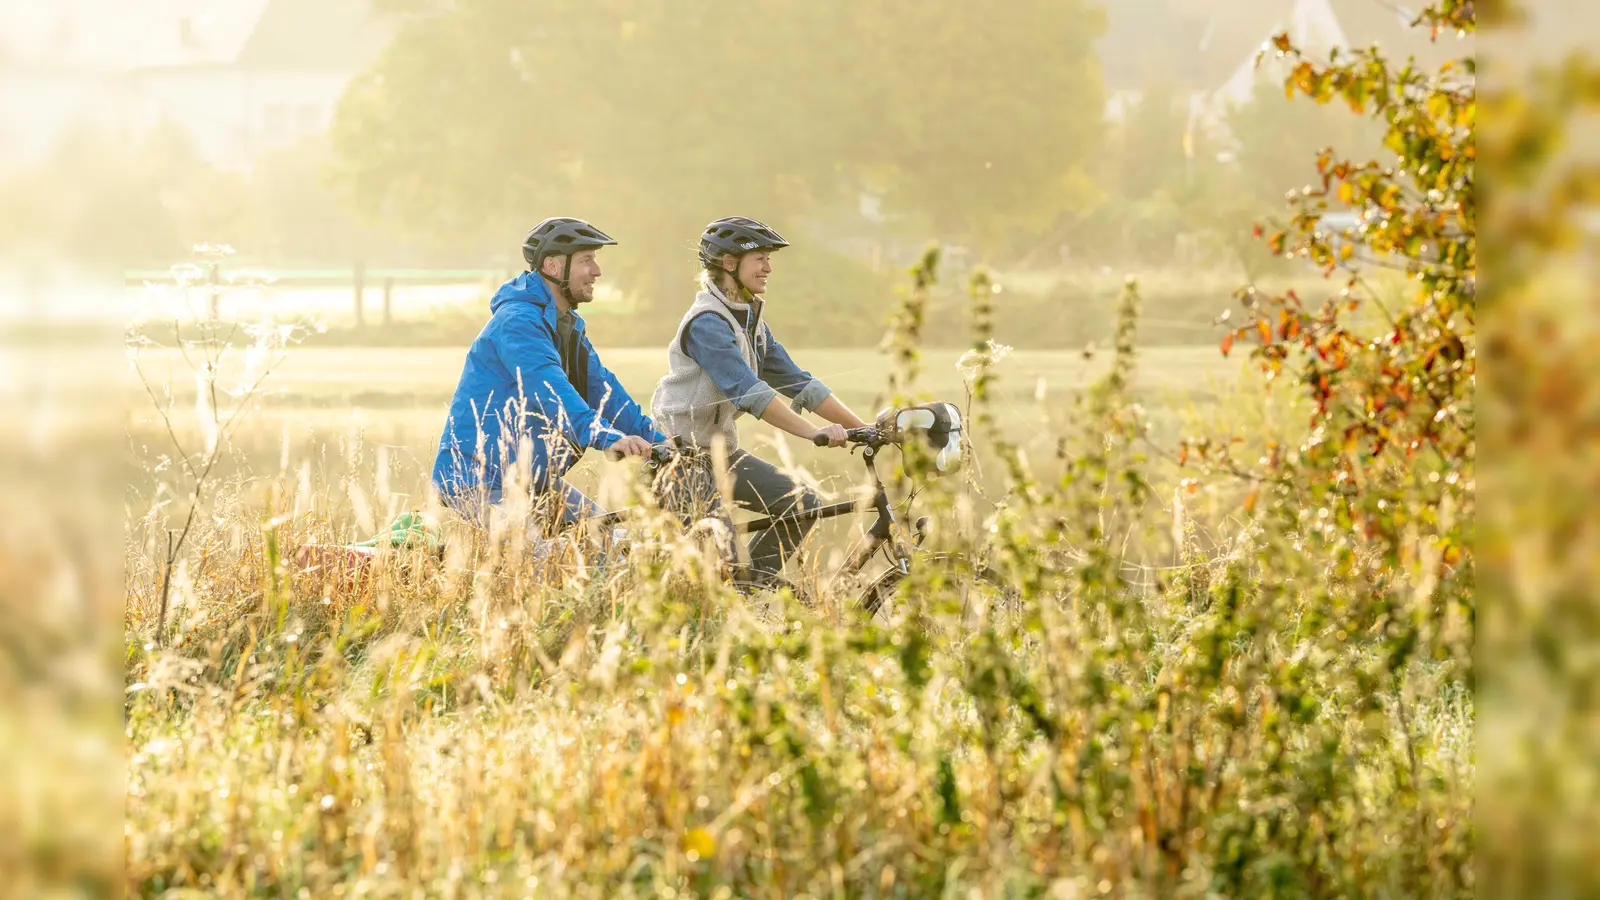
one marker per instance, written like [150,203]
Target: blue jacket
[513,387]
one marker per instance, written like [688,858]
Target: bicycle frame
[880,533]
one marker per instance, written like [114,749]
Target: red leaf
[1227,344]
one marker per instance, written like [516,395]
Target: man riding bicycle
[533,389]
[724,363]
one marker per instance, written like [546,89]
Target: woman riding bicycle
[723,363]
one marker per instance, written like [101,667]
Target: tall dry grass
[1191,698]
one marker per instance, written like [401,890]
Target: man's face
[584,272]
[754,270]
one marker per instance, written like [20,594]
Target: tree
[1384,476]
[652,119]
[1145,150]
[1272,136]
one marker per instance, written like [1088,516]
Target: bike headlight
[937,424]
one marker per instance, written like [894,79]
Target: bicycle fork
[882,529]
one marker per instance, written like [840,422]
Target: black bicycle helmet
[736,235]
[561,236]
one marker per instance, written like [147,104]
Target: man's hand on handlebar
[831,436]
[629,445]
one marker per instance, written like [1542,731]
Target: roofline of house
[239,68]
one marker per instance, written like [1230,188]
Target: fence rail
[357,278]
[330,277]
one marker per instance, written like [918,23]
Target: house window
[308,119]
[275,121]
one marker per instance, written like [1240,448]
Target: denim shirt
[710,341]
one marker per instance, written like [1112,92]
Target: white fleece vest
[687,404]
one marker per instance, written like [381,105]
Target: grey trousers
[689,489]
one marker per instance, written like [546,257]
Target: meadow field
[1174,707]
[395,398]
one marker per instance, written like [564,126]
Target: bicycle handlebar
[660,454]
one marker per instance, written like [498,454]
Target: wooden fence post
[360,275]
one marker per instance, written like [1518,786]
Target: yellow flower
[699,844]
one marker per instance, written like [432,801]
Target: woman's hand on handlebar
[831,436]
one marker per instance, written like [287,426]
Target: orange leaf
[1227,344]
[1265,329]
[1250,500]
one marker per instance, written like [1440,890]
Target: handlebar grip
[659,453]
[865,435]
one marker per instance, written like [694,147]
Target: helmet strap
[733,273]
[565,281]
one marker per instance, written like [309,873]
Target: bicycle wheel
[978,586]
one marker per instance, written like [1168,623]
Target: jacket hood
[529,287]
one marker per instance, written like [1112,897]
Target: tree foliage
[1392,388]
[654,118]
